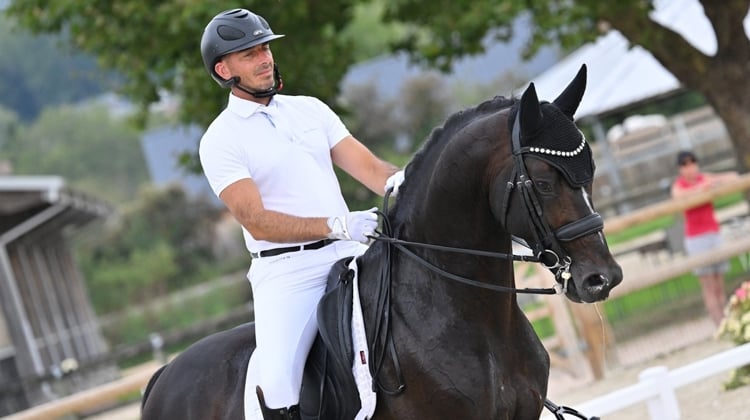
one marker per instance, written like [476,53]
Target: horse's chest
[465,384]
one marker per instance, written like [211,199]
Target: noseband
[545,238]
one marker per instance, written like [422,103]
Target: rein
[384,302]
[402,245]
[383,305]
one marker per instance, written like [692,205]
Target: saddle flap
[328,387]
[335,314]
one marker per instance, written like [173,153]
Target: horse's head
[544,196]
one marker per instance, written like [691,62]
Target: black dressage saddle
[328,388]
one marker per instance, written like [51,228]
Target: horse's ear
[531,111]
[570,98]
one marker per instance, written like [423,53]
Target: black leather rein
[402,246]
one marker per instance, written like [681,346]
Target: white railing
[656,386]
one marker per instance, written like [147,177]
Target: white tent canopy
[619,75]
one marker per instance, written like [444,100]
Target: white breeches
[286,290]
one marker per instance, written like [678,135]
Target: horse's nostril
[596,281]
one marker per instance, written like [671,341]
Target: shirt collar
[244,108]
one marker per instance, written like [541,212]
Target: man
[702,229]
[269,157]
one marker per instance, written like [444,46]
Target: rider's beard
[264,78]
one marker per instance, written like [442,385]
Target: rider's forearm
[279,227]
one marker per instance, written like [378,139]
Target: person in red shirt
[702,229]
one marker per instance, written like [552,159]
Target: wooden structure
[48,331]
[565,347]
[583,338]
[675,205]
[637,170]
[92,398]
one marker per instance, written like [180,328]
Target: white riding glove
[354,226]
[394,181]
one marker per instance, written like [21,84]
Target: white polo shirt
[285,148]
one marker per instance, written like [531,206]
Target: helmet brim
[254,42]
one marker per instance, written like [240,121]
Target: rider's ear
[222,70]
[570,98]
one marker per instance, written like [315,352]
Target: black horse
[448,339]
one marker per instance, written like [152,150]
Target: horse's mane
[439,138]
[440,135]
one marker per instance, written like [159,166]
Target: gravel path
[698,401]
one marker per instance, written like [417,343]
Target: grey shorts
[702,243]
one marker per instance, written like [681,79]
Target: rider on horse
[269,157]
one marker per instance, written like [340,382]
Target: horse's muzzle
[594,287]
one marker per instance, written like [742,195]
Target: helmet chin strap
[258,94]
[277,85]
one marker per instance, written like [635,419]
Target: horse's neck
[418,292]
[447,204]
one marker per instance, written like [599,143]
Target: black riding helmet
[231,31]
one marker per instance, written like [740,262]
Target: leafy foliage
[93,151]
[443,30]
[370,116]
[52,75]
[402,123]
[160,244]
[424,105]
[736,327]
[156,44]
[393,128]
[736,323]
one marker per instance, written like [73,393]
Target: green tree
[139,276]
[40,71]
[159,243]
[156,45]
[425,104]
[9,125]
[443,30]
[369,33]
[371,117]
[93,151]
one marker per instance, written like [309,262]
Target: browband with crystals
[559,152]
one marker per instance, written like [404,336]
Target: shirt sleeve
[221,164]
[334,128]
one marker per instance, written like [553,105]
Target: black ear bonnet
[560,143]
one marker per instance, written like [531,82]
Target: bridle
[545,238]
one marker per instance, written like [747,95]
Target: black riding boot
[289,413]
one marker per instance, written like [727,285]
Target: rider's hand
[393,182]
[355,226]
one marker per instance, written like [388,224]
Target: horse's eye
[543,186]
